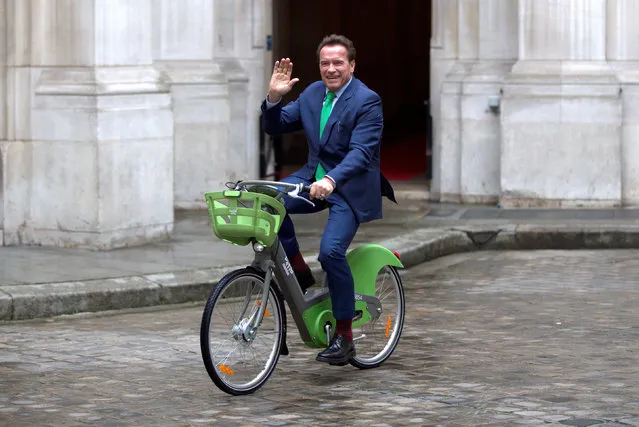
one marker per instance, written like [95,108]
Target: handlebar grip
[306,189]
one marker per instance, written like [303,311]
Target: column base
[561,135]
[628,73]
[469,136]
[541,203]
[241,159]
[480,118]
[201,114]
[439,68]
[101,241]
[101,162]
[449,132]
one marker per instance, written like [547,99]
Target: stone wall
[538,107]
[3,109]
[113,113]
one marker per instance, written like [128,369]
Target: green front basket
[240,216]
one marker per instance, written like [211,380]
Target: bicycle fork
[256,319]
[247,328]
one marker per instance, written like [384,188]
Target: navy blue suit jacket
[349,149]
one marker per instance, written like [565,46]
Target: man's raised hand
[281,82]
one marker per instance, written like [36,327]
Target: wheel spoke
[239,360]
[382,336]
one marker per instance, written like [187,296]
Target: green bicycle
[243,330]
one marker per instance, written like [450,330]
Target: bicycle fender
[365,262]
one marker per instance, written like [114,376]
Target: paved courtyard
[491,338]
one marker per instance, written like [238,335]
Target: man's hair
[334,39]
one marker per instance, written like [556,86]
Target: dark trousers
[338,235]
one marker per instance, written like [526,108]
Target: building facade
[535,102]
[113,113]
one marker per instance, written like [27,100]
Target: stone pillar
[496,49]
[561,110]
[451,64]
[468,133]
[240,156]
[3,108]
[443,55]
[251,45]
[16,145]
[183,49]
[239,45]
[100,134]
[623,55]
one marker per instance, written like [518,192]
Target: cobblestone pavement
[491,338]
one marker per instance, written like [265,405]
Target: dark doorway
[393,48]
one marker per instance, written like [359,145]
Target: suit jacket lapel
[336,113]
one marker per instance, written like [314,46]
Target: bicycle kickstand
[328,330]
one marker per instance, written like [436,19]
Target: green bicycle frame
[312,311]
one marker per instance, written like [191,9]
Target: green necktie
[326,112]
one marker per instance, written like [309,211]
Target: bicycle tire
[219,343]
[377,339]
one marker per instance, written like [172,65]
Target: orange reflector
[388,327]
[397,255]
[226,369]
[266,313]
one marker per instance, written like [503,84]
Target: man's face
[335,69]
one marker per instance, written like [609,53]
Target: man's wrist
[331,180]
[273,98]
[269,103]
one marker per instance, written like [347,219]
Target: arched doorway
[393,58]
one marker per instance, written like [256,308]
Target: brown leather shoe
[339,351]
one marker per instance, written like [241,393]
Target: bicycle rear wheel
[240,360]
[376,340]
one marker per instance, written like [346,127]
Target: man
[343,122]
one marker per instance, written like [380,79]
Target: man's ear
[352,66]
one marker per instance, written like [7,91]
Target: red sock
[297,262]
[344,328]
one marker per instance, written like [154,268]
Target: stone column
[15,145]
[496,52]
[239,42]
[183,49]
[99,128]
[3,108]
[623,55]
[443,55]
[561,111]
[468,133]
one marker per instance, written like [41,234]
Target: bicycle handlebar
[261,183]
[292,190]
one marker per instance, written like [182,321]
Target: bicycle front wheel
[376,340]
[239,358]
